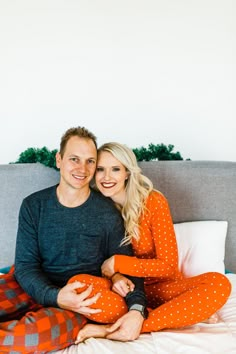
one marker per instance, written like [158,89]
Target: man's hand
[121,284]
[126,328]
[108,267]
[68,299]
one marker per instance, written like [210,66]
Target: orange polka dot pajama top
[173,300]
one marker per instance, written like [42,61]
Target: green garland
[159,152]
[42,155]
[45,156]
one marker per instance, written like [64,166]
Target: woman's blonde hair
[137,188]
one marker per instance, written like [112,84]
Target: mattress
[202,338]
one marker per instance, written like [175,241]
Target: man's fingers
[117,336]
[87,310]
[85,293]
[75,285]
[91,300]
[114,326]
[115,332]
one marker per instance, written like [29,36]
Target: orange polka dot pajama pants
[172,304]
[184,302]
[113,306]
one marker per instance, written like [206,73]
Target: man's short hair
[80,132]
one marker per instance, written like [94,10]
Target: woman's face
[110,177]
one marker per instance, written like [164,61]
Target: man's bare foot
[92,330]
[213,319]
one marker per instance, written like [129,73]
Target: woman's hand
[108,267]
[121,284]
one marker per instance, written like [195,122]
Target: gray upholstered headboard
[196,190]
[199,190]
[16,182]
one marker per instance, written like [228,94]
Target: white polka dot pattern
[174,301]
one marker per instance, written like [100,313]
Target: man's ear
[58,160]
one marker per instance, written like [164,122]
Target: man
[63,231]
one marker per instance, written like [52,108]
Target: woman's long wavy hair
[137,188]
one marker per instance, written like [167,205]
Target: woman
[173,300]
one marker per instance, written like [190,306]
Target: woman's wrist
[113,275]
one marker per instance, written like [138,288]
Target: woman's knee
[87,280]
[219,283]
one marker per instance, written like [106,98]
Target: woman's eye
[99,169]
[116,169]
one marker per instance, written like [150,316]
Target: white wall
[135,71]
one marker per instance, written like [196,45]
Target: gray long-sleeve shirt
[55,242]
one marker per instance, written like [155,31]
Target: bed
[202,199]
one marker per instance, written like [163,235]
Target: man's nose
[82,166]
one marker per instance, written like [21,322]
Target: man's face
[78,164]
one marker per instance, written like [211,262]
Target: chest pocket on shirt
[89,249]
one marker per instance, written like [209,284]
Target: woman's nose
[107,175]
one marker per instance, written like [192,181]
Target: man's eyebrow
[88,158]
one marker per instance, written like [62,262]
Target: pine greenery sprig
[42,155]
[45,156]
[159,152]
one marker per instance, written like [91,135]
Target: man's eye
[74,159]
[92,162]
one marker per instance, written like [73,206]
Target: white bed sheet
[219,338]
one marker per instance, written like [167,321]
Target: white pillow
[201,246]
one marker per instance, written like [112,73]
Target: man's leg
[42,331]
[26,327]
[14,302]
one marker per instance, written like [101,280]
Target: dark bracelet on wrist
[113,275]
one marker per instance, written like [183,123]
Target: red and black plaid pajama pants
[26,327]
